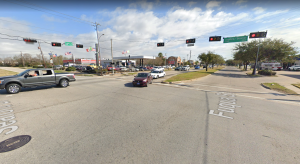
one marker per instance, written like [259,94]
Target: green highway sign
[236,39]
[68,43]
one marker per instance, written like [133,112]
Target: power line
[44,11]
[34,26]
[56,11]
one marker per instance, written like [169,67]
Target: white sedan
[294,67]
[157,74]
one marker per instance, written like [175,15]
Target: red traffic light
[79,46]
[29,40]
[258,34]
[56,44]
[215,38]
[160,44]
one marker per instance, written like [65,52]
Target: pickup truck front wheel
[13,88]
[64,83]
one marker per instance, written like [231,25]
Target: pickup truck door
[30,81]
[48,77]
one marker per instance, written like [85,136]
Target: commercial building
[174,61]
[104,63]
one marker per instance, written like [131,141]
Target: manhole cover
[14,143]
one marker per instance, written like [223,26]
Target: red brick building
[172,60]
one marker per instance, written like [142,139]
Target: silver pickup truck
[34,78]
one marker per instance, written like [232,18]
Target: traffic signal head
[56,44]
[79,46]
[258,35]
[29,40]
[160,44]
[214,38]
[190,41]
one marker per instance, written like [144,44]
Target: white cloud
[212,4]
[239,2]
[190,4]
[264,16]
[258,10]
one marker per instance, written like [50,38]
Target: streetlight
[99,56]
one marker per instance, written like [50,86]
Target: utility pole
[42,55]
[22,59]
[112,57]
[190,54]
[254,71]
[165,59]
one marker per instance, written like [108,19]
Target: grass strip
[82,75]
[279,88]
[192,75]
[6,73]
[59,71]
[297,85]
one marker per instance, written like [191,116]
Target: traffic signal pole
[254,71]
[112,57]
[42,55]
[22,59]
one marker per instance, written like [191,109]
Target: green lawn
[279,88]
[193,75]
[59,71]
[297,85]
[6,73]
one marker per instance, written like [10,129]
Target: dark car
[89,68]
[142,79]
[178,68]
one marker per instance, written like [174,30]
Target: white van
[271,66]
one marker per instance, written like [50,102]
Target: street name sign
[190,44]
[236,39]
[68,43]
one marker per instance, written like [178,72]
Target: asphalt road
[106,120]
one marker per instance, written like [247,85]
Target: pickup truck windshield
[22,73]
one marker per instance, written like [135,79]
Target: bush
[71,69]
[266,72]
[36,66]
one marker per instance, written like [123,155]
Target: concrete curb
[264,86]
[295,86]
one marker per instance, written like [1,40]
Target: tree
[197,62]
[206,58]
[230,62]
[269,49]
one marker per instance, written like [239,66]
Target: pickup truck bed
[44,77]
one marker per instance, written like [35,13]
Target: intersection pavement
[106,120]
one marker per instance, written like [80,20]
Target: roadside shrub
[71,69]
[266,72]
[36,66]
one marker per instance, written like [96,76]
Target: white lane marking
[230,88]
[7,116]
[8,95]
[177,86]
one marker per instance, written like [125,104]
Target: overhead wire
[45,11]
[56,11]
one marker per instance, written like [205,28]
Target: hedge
[71,69]
[266,72]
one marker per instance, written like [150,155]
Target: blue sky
[138,25]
